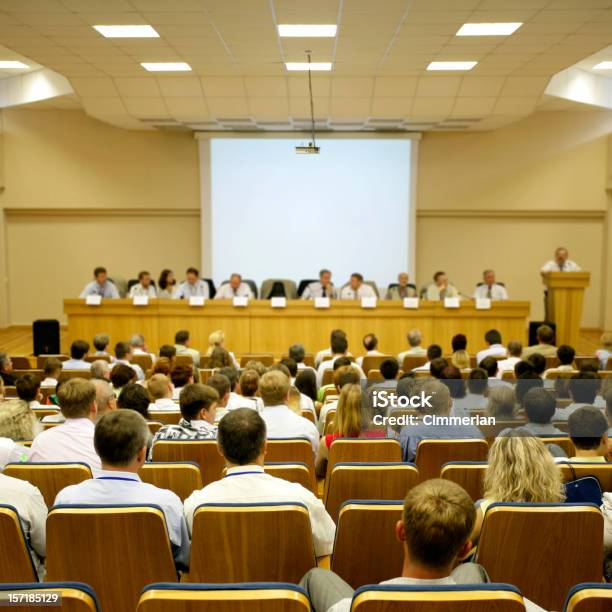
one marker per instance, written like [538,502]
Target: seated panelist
[323,288]
[101,285]
[143,286]
[192,286]
[356,289]
[234,288]
[489,288]
[440,288]
[402,290]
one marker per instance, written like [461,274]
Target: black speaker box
[46,333]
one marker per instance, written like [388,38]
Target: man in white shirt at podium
[356,289]
[489,288]
[235,288]
[323,288]
[561,263]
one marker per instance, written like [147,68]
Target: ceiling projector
[310,149]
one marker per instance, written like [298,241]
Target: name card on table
[278,302]
[140,300]
[93,300]
[451,302]
[196,300]
[483,304]
[411,302]
[322,302]
[240,301]
[368,302]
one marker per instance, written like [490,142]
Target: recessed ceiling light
[451,65]
[166,66]
[307,31]
[305,66]
[126,31]
[488,29]
[12,64]
[605,65]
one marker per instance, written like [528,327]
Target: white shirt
[426,367]
[225,292]
[76,364]
[71,441]
[433,292]
[329,365]
[415,350]
[107,290]
[165,404]
[495,350]
[139,373]
[11,452]
[54,418]
[49,382]
[553,266]
[138,289]
[498,292]
[138,351]
[115,487]
[282,422]
[186,290]
[181,349]
[348,293]
[315,290]
[507,364]
[359,360]
[250,484]
[240,401]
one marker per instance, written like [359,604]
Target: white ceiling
[239,80]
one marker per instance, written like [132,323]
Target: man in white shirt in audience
[181,344]
[489,288]
[100,368]
[440,288]
[144,286]
[234,288]
[560,262]
[139,346]
[402,289]
[101,342]
[328,351]
[72,440]
[323,288]
[583,389]
[370,344]
[414,338]
[281,421]
[297,352]
[124,354]
[339,348]
[101,286]
[120,440]
[242,441]
[192,286]
[356,289]
[160,389]
[495,348]
[514,349]
[434,351]
[78,350]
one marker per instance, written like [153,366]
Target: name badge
[140,300]
[368,302]
[322,302]
[278,302]
[240,301]
[483,304]
[411,302]
[451,302]
[196,300]
[93,300]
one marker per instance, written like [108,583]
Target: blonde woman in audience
[501,403]
[605,352]
[293,400]
[17,421]
[461,359]
[217,340]
[521,469]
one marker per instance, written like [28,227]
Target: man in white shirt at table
[101,286]
[192,286]
[489,289]
[560,263]
[234,288]
[121,439]
[440,288]
[144,286]
[281,421]
[323,288]
[72,440]
[402,289]
[356,289]
[242,441]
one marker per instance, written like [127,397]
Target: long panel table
[260,328]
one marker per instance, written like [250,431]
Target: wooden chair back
[413,361]
[601,471]
[291,450]
[92,358]
[293,472]
[68,374]
[10,391]
[144,361]
[41,360]
[433,454]
[183,478]
[75,597]
[154,426]
[15,561]
[467,474]
[19,372]
[328,377]
[374,375]
[202,452]
[372,362]
[183,360]
[589,597]
[308,415]
[205,374]
[41,413]
[564,442]
[170,417]
[21,362]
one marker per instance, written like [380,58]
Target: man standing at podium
[561,263]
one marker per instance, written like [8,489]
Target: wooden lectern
[564,303]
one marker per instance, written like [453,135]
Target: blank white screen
[277,214]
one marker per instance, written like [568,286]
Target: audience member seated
[234,400]
[440,288]
[168,351]
[166,284]
[474,399]
[101,342]
[356,289]
[441,404]
[460,358]
[451,377]
[139,346]
[343,375]
[28,390]
[181,346]
[565,354]
[501,403]
[144,286]
[539,407]
[120,439]
[216,339]
[162,366]
[434,532]
[545,337]
[583,388]
[370,344]
[78,350]
[514,350]
[328,351]
[106,400]
[124,354]
[180,375]
[495,347]
[306,384]
[221,384]
[434,351]
[17,422]
[234,288]
[242,441]
[160,389]
[526,381]
[437,366]
[538,363]
[297,352]
[402,290]
[281,422]
[220,358]
[414,339]
[305,402]
[246,397]
[73,439]
[51,372]
[101,285]
[605,352]
[192,286]
[489,365]
[489,289]
[323,288]
[135,397]
[339,348]
[6,370]
[588,430]
[120,376]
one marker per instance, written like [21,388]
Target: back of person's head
[137,340]
[461,360]
[220,358]
[339,345]
[181,374]
[349,419]
[525,382]
[216,338]
[370,342]
[135,397]
[120,436]
[273,388]
[524,368]
[242,436]
[566,354]
[539,405]
[105,396]
[4,361]
[501,402]
[584,386]
[53,366]
[437,366]
[220,383]
[297,353]
[434,351]
[101,341]
[336,333]
[249,383]
[459,342]
[514,348]
[414,337]
[28,387]
[587,426]
[306,383]
[100,368]
[122,350]
[489,365]
[493,337]
[158,386]
[168,351]
[345,375]
[538,363]
[121,375]
[341,362]
[78,349]
[438,518]
[181,337]
[545,334]
[196,397]
[282,368]
[162,365]
[231,374]
[451,377]
[76,397]
[389,369]
[521,469]
[291,365]
[477,381]
[406,385]
[254,364]
[440,399]
[17,421]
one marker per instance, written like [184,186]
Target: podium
[564,303]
